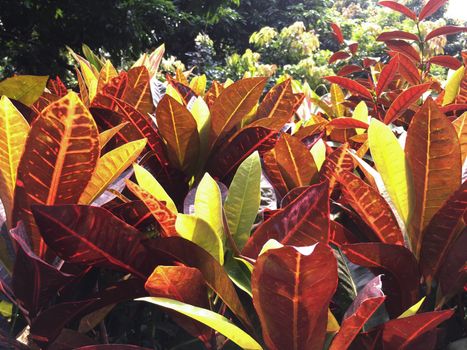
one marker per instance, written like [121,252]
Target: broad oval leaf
[109,167]
[460,124]
[278,103]
[138,91]
[243,200]
[338,161]
[106,135]
[178,127]
[59,158]
[391,163]
[453,86]
[209,318]
[371,207]
[234,103]
[350,85]
[24,88]
[13,133]
[292,288]
[446,61]
[433,152]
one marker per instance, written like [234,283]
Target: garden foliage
[137,189]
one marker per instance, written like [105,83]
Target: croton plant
[233,218]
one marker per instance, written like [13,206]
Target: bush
[149,210]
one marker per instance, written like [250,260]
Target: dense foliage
[149,209]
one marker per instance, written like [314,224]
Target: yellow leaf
[201,233]
[172,92]
[13,133]
[208,204]
[413,309]
[461,129]
[198,84]
[106,135]
[107,72]
[361,113]
[333,325]
[452,86]
[149,183]
[318,151]
[202,115]
[391,163]
[337,100]
[228,82]
[109,167]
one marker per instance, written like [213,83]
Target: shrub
[136,200]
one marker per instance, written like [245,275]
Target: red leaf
[446,30]
[185,284]
[441,232]
[349,69]
[399,8]
[396,34]
[339,55]
[350,85]
[337,32]
[273,173]
[225,160]
[404,100]
[454,107]
[371,207]
[404,48]
[296,284]
[430,8]
[57,87]
[304,221]
[353,47]
[368,300]
[452,275]
[138,91]
[408,69]
[92,236]
[134,213]
[347,123]
[387,75]
[398,334]
[214,274]
[112,347]
[185,91]
[397,260]
[337,162]
[446,61]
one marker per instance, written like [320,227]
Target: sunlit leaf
[13,133]
[361,113]
[109,167]
[413,309]
[106,135]
[337,100]
[318,151]
[452,86]
[390,162]
[23,88]
[198,84]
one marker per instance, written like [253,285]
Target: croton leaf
[23,88]
[292,288]
[337,32]
[430,7]
[13,133]
[404,100]
[338,161]
[57,87]
[178,127]
[368,300]
[302,222]
[404,48]
[387,75]
[234,103]
[93,236]
[278,102]
[59,158]
[136,214]
[396,34]
[446,61]
[433,151]
[350,85]
[185,284]
[371,207]
[106,135]
[400,333]
[445,30]
[395,259]
[138,92]
[107,72]
[453,86]
[460,124]
[396,6]
[337,100]
[109,167]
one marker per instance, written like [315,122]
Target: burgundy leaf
[353,47]
[430,7]
[136,214]
[57,87]
[398,334]
[393,5]
[403,47]
[368,300]
[445,30]
[347,123]
[395,259]
[93,236]
[446,61]
[337,162]
[337,32]
[304,221]
[408,69]
[350,85]
[292,288]
[349,69]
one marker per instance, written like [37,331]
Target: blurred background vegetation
[222,38]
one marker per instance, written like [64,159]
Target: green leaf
[239,271]
[318,151]
[24,88]
[452,86]
[209,318]
[361,113]
[243,200]
[390,162]
[208,204]
[6,309]
[200,232]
